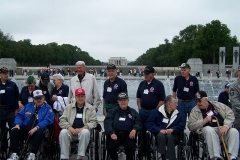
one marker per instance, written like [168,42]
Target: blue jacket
[12,94]
[158,120]
[45,115]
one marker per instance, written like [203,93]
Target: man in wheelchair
[121,124]
[204,118]
[31,122]
[166,123]
[77,120]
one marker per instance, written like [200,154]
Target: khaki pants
[211,135]
[66,137]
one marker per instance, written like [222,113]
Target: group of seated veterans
[122,123]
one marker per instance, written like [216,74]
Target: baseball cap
[3,70]
[227,85]
[45,78]
[37,93]
[79,91]
[148,70]
[200,95]
[111,66]
[122,95]
[185,65]
[30,80]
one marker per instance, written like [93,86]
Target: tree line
[195,41]
[27,54]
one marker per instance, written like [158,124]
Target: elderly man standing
[150,94]
[121,124]
[203,119]
[111,88]
[76,122]
[87,82]
[46,86]
[31,121]
[9,94]
[184,88]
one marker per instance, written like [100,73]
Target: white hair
[80,63]
[59,76]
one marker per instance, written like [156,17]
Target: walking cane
[224,144]
[26,143]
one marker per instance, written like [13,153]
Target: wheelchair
[4,145]
[182,148]
[49,148]
[137,155]
[198,147]
[92,151]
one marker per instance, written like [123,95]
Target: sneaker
[14,156]
[31,156]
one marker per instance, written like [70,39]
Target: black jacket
[12,94]
[113,116]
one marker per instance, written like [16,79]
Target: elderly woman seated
[166,123]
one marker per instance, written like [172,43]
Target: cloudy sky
[112,28]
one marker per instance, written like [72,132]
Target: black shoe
[163,157]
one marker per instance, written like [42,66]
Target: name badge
[109,89]
[79,115]
[30,99]
[44,92]
[121,119]
[185,89]
[210,113]
[145,91]
[165,120]
[214,120]
[2,91]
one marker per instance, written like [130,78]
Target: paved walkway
[126,77]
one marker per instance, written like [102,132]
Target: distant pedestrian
[208,72]
[218,74]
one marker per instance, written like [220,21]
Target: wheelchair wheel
[103,146]
[4,147]
[183,150]
[139,145]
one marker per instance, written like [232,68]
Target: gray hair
[80,63]
[58,76]
[168,99]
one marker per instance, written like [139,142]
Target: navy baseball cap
[200,95]
[122,95]
[148,70]
[45,78]
[227,85]
[111,66]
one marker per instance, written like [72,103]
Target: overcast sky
[112,28]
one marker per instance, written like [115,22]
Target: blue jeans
[144,114]
[186,107]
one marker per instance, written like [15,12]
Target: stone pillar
[236,60]
[222,55]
